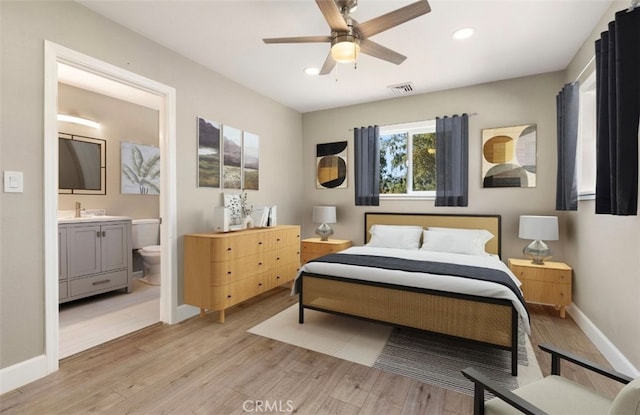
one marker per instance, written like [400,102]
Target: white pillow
[395,236]
[459,241]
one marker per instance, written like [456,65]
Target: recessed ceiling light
[464,33]
[311,71]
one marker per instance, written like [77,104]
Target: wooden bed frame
[477,319]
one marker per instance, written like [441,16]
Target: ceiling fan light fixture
[345,48]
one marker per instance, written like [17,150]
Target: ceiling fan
[348,37]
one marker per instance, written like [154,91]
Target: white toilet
[145,237]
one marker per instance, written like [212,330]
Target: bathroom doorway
[127,123]
[54,55]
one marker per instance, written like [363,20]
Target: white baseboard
[20,374]
[602,343]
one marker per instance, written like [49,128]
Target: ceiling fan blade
[328,65]
[378,51]
[332,15]
[299,39]
[394,18]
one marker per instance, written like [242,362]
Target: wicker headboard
[492,223]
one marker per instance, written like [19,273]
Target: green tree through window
[408,159]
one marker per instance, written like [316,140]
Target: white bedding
[423,280]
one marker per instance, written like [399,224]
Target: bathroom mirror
[82,165]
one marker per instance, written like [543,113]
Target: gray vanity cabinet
[98,258]
[63,276]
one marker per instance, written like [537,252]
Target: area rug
[432,359]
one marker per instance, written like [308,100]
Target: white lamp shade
[542,228]
[324,214]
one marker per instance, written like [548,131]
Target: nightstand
[314,248]
[549,283]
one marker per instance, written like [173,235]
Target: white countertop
[89,218]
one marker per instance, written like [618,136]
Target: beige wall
[604,250]
[499,104]
[120,121]
[200,92]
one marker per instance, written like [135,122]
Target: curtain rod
[584,69]
[408,122]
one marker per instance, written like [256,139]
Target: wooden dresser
[224,269]
[549,283]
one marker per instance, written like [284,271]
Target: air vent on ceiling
[405,88]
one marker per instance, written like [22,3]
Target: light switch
[13,182]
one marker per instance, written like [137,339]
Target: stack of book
[264,216]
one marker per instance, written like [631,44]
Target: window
[408,159]
[586,151]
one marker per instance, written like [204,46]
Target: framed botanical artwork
[140,169]
[331,165]
[208,153]
[509,156]
[232,157]
[250,161]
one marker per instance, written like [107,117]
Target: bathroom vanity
[94,256]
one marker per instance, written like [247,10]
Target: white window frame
[586,148]
[417,127]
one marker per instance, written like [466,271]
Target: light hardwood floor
[203,367]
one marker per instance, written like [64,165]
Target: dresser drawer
[227,272]
[97,283]
[541,274]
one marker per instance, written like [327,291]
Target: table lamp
[538,228]
[324,215]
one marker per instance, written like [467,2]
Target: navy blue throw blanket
[427,267]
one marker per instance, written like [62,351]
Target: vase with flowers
[240,210]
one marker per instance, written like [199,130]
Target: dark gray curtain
[367,165]
[618,113]
[452,160]
[567,104]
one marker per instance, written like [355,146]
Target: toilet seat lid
[152,249]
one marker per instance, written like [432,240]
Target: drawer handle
[228,249]
[259,263]
[228,272]
[97,234]
[277,277]
[228,295]
[101,282]
[260,284]
[278,259]
[259,243]
[104,233]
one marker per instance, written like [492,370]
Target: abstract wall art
[509,156]
[331,165]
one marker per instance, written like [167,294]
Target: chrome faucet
[78,209]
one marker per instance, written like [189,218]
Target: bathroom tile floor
[95,320]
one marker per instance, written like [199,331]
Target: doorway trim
[53,54]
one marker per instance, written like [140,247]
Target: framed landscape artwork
[232,157]
[331,165]
[250,161]
[208,153]
[509,156]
